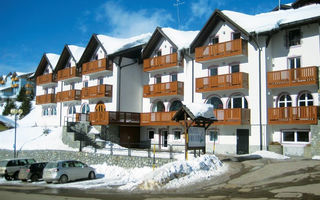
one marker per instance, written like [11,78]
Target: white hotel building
[260,72]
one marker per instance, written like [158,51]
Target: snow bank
[269,154]
[316,157]
[7,121]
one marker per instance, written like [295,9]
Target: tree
[9,105]
[22,94]
[26,107]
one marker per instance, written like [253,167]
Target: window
[176,105]
[173,50]
[294,63]
[46,91]
[72,87]
[295,136]
[53,110]
[72,109]
[237,102]
[96,57]
[157,79]
[177,135]
[213,71]
[234,68]
[216,102]
[158,53]
[305,99]
[214,40]
[100,81]
[213,135]
[284,101]
[85,84]
[151,134]
[294,37]
[45,112]
[158,107]
[174,77]
[68,65]
[85,109]
[236,35]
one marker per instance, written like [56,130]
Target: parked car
[9,168]
[32,172]
[67,170]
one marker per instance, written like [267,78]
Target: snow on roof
[113,45]
[5,88]
[76,51]
[53,59]
[182,39]
[272,20]
[201,110]
[7,121]
[94,131]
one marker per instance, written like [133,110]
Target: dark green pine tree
[9,105]
[22,94]
[26,107]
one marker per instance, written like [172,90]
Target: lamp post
[15,112]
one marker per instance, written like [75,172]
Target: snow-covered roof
[201,110]
[53,59]
[182,39]
[94,131]
[76,51]
[112,44]
[272,20]
[7,121]
[5,88]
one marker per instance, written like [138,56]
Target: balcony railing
[29,85]
[293,115]
[14,85]
[157,118]
[45,79]
[71,95]
[232,81]
[68,73]
[110,117]
[97,66]
[163,89]
[98,91]
[232,116]
[222,50]
[46,99]
[161,62]
[293,77]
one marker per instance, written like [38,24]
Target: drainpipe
[61,107]
[192,76]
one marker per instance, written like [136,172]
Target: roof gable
[75,52]
[47,58]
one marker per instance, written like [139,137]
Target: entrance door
[165,138]
[242,141]
[100,115]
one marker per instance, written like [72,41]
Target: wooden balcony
[115,118]
[238,47]
[158,119]
[46,79]
[14,85]
[163,89]
[232,116]
[68,73]
[28,85]
[232,81]
[46,99]
[71,95]
[97,66]
[161,62]
[293,115]
[293,77]
[99,91]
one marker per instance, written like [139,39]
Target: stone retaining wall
[89,158]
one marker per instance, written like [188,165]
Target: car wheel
[48,182]
[7,177]
[63,179]
[34,178]
[16,176]
[92,175]
[24,180]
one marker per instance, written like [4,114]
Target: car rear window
[3,163]
[52,165]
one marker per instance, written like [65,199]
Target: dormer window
[236,35]
[68,65]
[173,50]
[294,37]
[46,71]
[157,79]
[159,53]
[214,40]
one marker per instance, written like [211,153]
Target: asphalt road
[251,179]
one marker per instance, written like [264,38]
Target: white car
[67,170]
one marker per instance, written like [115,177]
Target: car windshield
[3,163]
[52,165]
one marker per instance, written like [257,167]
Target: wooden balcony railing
[222,50]
[82,117]
[46,99]
[97,66]
[14,85]
[68,73]
[163,89]
[117,118]
[71,95]
[293,115]
[161,62]
[28,85]
[232,81]
[293,77]
[45,79]
[157,118]
[232,116]
[98,91]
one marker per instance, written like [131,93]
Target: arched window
[85,109]
[176,105]
[305,99]
[216,102]
[72,109]
[53,110]
[237,101]
[100,107]
[45,111]
[158,107]
[284,101]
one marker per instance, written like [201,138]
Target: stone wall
[315,139]
[89,158]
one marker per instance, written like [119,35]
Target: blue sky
[30,28]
